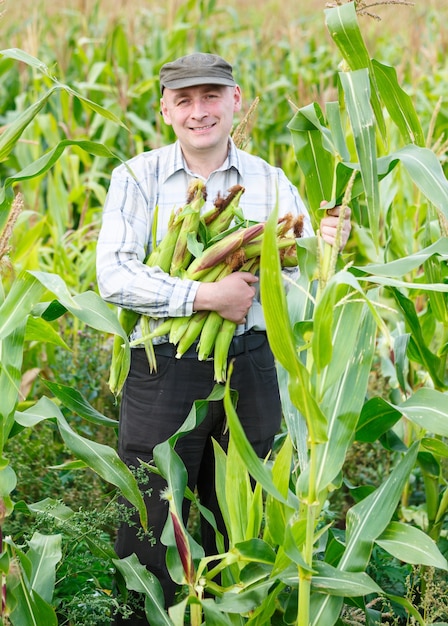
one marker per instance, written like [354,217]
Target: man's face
[201,116]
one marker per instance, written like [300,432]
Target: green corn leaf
[38,329]
[398,103]
[333,114]
[338,401]
[256,550]
[280,334]
[255,466]
[428,408]
[411,545]
[400,267]
[336,582]
[342,24]
[418,349]
[356,86]
[44,554]
[276,513]
[435,446]
[239,494]
[28,608]
[11,348]
[24,293]
[377,417]
[139,578]
[46,162]
[311,150]
[14,130]
[8,480]
[368,519]
[72,399]
[25,57]
[100,458]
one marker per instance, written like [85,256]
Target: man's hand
[231,296]
[329,223]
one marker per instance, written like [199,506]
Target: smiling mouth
[200,128]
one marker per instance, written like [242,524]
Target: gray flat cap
[196,69]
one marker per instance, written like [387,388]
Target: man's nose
[199,109]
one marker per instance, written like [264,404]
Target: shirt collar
[175,160]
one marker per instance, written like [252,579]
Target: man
[199,100]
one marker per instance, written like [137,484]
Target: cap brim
[181,83]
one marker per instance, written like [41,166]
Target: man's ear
[164,112]
[237,99]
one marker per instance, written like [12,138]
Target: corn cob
[222,345]
[209,333]
[192,332]
[221,221]
[220,204]
[148,335]
[218,251]
[161,255]
[190,223]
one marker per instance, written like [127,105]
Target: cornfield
[347,523]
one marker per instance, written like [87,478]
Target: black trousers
[155,405]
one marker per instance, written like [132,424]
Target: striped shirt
[159,178]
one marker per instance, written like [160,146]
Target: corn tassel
[208,336]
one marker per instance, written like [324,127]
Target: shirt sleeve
[123,278]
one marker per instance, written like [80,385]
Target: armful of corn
[225,248]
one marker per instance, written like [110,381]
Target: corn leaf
[14,130]
[428,408]
[44,554]
[411,545]
[418,349]
[259,470]
[238,494]
[310,141]
[10,376]
[400,267]
[398,104]
[377,417]
[46,161]
[276,513]
[356,86]
[139,578]
[25,57]
[38,329]
[100,458]
[335,582]
[280,334]
[338,401]
[342,24]
[28,607]
[72,399]
[18,303]
[366,521]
